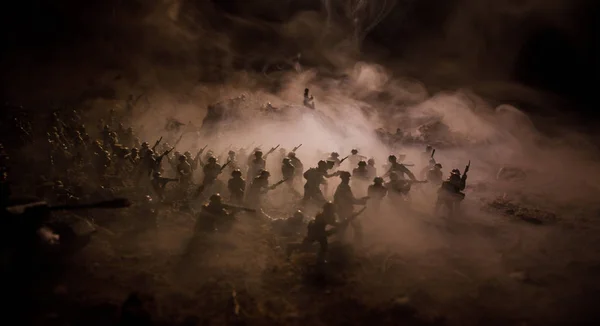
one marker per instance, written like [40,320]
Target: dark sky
[559,58]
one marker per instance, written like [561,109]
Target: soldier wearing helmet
[371,168]
[435,174]
[258,187]
[213,215]
[256,165]
[335,158]
[315,177]
[377,191]
[450,193]
[355,158]
[184,172]
[361,172]
[344,202]
[317,232]
[298,166]
[237,187]
[211,170]
[399,168]
[287,170]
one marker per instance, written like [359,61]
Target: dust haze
[450,88]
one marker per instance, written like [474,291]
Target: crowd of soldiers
[112,156]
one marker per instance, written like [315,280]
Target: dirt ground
[501,263]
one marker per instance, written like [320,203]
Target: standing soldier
[184,171]
[435,175]
[450,193]
[344,202]
[377,192]
[315,177]
[287,170]
[371,167]
[211,170]
[258,187]
[355,158]
[237,187]
[298,166]
[399,168]
[335,158]
[256,165]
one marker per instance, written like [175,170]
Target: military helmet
[345,175]
[291,155]
[258,153]
[286,160]
[371,161]
[212,159]
[236,173]
[428,148]
[134,150]
[264,173]
[438,165]
[187,154]
[455,172]
[182,158]
[335,154]
[282,150]
[354,151]
[322,164]
[362,163]
[231,153]
[392,158]
[378,180]
[215,198]
[394,176]
[145,144]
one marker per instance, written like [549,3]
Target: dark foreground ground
[500,264]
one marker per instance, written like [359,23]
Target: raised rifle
[156,144]
[178,140]
[272,150]
[464,175]
[296,148]
[225,165]
[342,160]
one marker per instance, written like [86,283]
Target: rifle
[225,165]
[348,220]
[114,203]
[178,141]
[342,160]
[432,154]
[272,150]
[296,148]
[165,153]
[245,209]
[275,185]
[156,144]
[464,175]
